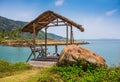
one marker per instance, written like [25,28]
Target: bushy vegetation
[63,73]
[7,68]
[12,34]
[76,73]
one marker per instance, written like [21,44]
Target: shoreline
[26,43]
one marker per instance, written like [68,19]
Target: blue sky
[100,18]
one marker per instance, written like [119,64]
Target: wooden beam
[43,22]
[57,21]
[34,44]
[72,37]
[45,41]
[53,22]
[56,49]
[29,56]
[70,34]
[38,27]
[44,17]
[56,25]
[67,34]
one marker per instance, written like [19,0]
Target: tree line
[13,34]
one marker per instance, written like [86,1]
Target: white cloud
[111,12]
[97,27]
[59,2]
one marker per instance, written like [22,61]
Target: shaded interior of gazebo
[50,19]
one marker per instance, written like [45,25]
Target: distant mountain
[54,36]
[41,35]
[9,24]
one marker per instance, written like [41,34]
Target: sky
[100,18]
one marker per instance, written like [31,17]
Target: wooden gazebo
[50,19]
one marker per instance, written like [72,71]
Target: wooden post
[29,56]
[56,49]
[71,34]
[34,45]
[57,21]
[67,34]
[45,41]
[72,37]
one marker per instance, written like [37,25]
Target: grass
[8,69]
[22,76]
[68,73]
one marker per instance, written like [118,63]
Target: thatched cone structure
[71,54]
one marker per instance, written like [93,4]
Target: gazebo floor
[49,58]
[42,64]
[44,61]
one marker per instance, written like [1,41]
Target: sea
[109,49]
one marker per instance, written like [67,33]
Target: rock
[73,52]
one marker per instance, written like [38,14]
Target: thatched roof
[47,17]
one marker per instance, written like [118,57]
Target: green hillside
[8,27]
[54,36]
[41,35]
[9,24]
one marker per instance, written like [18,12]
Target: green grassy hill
[9,25]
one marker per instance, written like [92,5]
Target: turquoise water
[109,49]
[20,54]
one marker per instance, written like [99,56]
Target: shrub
[5,66]
[68,72]
[76,73]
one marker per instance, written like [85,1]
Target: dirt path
[22,77]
